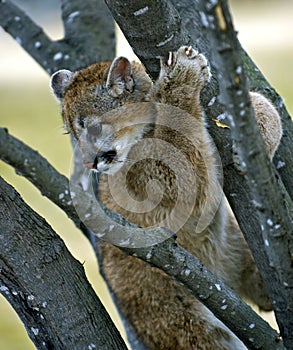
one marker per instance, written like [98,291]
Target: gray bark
[46,286]
[270,200]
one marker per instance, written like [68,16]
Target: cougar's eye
[94,130]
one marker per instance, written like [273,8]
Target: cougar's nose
[89,165]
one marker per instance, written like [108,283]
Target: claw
[170,59]
[188,51]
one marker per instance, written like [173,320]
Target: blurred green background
[29,111]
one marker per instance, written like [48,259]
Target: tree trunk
[46,286]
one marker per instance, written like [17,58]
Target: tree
[263,206]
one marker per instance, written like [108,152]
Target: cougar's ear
[59,82]
[119,77]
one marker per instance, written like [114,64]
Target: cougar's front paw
[188,65]
[184,53]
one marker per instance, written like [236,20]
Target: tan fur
[268,120]
[164,314]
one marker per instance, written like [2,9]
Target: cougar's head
[89,99]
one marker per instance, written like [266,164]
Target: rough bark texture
[89,36]
[274,210]
[139,20]
[46,286]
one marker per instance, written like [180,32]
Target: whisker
[90,175]
[132,161]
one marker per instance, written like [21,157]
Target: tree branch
[38,171]
[139,20]
[30,36]
[46,285]
[283,156]
[207,288]
[84,42]
[273,208]
[89,30]
[194,18]
[167,255]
